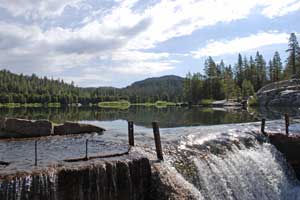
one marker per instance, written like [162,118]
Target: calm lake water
[143,116]
[173,121]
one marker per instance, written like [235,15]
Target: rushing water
[224,161]
[234,166]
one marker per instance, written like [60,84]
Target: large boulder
[76,128]
[283,93]
[28,128]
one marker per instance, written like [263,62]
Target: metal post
[263,123]
[157,141]
[35,153]
[287,123]
[86,149]
[130,133]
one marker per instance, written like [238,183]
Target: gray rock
[76,128]
[28,128]
[284,94]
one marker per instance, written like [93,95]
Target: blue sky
[117,42]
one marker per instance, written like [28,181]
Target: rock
[28,128]
[76,128]
[283,93]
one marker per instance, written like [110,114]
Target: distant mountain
[167,80]
[168,88]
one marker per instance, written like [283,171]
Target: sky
[116,42]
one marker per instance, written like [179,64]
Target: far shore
[123,104]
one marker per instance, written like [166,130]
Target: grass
[18,105]
[126,104]
[158,104]
[206,101]
[54,105]
[115,104]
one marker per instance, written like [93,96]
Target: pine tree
[293,60]
[210,68]
[239,71]
[261,70]
[271,71]
[277,64]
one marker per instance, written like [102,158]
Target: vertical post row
[35,153]
[287,123]
[86,149]
[130,133]
[157,141]
[263,124]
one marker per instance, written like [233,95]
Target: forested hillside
[166,88]
[32,89]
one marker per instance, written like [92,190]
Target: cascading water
[126,179]
[234,166]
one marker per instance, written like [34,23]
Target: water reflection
[273,113]
[142,116]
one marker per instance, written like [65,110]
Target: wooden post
[157,141]
[35,153]
[287,123]
[86,149]
[130,133]
[263,124]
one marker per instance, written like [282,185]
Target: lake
[175,122]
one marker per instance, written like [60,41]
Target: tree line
[25,89]
[244,78]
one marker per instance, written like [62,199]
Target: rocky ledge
[283,93]
[23,128]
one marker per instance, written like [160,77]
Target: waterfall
[241,166]
[128,180]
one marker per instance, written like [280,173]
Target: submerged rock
[76,128]
[26,128]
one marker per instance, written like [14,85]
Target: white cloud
[138,55]
[121,37]
[37,9]
[280,8]
[143,68]
[174,18]
[252,42]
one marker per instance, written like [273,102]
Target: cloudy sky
[116,42]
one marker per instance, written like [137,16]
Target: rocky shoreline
[23,128]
